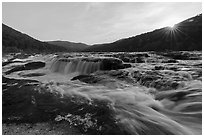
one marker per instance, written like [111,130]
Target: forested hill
[15,41]
[71,46]
[186,35]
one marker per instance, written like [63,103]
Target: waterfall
[80,65]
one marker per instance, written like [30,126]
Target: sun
[171,31]
[170,22]
[171,25]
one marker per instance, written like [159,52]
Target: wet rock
[9,62]
[121,75]
[111,63]
[125,65]
[32,75]
[16,98]
[133,60]
[118,73]
[143,55]
[159,67]
[197,74]
[80,77]
[173,68]
[140,60]
[180,55]
[87,79]
[132,57]
[21,56]
[125,59]
[137,60]
[34,65]
[28,66]
[115,73]
[170,61]
[185,75]
[159,79]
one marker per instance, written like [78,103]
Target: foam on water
[136,111]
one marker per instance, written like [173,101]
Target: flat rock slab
[28,66]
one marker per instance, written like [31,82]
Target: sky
[94,22]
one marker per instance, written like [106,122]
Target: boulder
[111,63]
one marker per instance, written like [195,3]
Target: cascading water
[66,66]
[86,65]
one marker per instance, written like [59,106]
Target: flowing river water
[106,93]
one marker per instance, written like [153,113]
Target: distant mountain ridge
[186,35]
[15,41]
[71,46]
